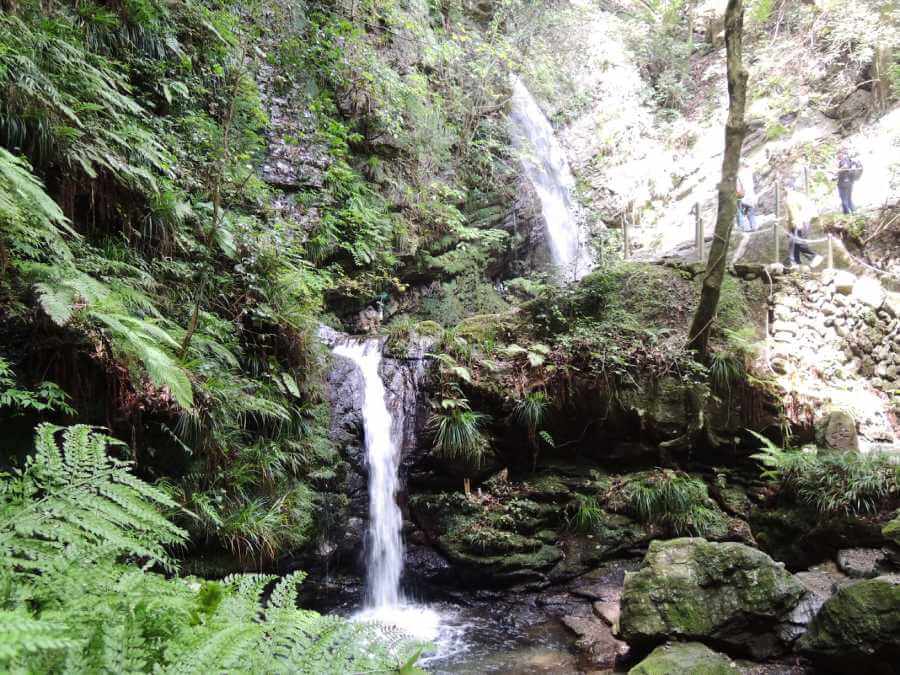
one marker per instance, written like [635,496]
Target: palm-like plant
[530,412]
[458,432]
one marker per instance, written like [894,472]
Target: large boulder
[727,594]
[684,657]
[858,629]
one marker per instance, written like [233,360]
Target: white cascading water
[545,165]
[384,546]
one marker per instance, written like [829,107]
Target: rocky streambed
[523,585]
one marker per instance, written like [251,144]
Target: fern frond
[75,497]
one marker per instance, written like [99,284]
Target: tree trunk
[735,130]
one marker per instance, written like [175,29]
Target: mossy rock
[734,500]
[858,628]
[499,570]
[891,531]
[726,593]
[801,538]
[612,536]
[485,540]
[687,658]
[484,327]
[548,488]
[666,409]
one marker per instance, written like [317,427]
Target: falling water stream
[384,544]
[463,639]
[545,165]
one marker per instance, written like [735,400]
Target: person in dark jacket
[849,171]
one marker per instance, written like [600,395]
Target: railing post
[830,252]
[775,226]
[626,243]
[698,232]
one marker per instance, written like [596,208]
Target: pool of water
[482,639]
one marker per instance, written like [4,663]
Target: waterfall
[545,165]
[384,546]
[384,414]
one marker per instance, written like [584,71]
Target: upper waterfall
[546,167]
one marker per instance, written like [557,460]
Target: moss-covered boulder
[726,594]
[691,658]
[491,540]
[859,627]
[891,531]
[800,537]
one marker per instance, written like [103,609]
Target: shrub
[670,499]
[67,521]
[458,432]
[834,483]
[587,514]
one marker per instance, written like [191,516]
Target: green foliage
[761,11]
[75,501]
[845,483]
[661,39]
[467,295]
[69,104]
[68,604]
[46,397]
[671,499]
[587,515]
[531,411]
[31,224]
[459,432]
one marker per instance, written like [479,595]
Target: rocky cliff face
[403,380]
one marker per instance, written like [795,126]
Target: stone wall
[835,339]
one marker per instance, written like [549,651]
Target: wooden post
[626,244]
[777,221]
[806,180]
[830,252]
[698,233]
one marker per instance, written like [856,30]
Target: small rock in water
[595,640]
[861,563]
[608,611]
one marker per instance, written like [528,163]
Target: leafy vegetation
[673,500]
[459,432]
[846,483]
[79,535]
[138,238]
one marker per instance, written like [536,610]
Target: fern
[21,635]
[834,483]
[67,294]
[671,499]
[69,518]
[75,501]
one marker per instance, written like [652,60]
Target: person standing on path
[799,211]
[848,172]
[746,199]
